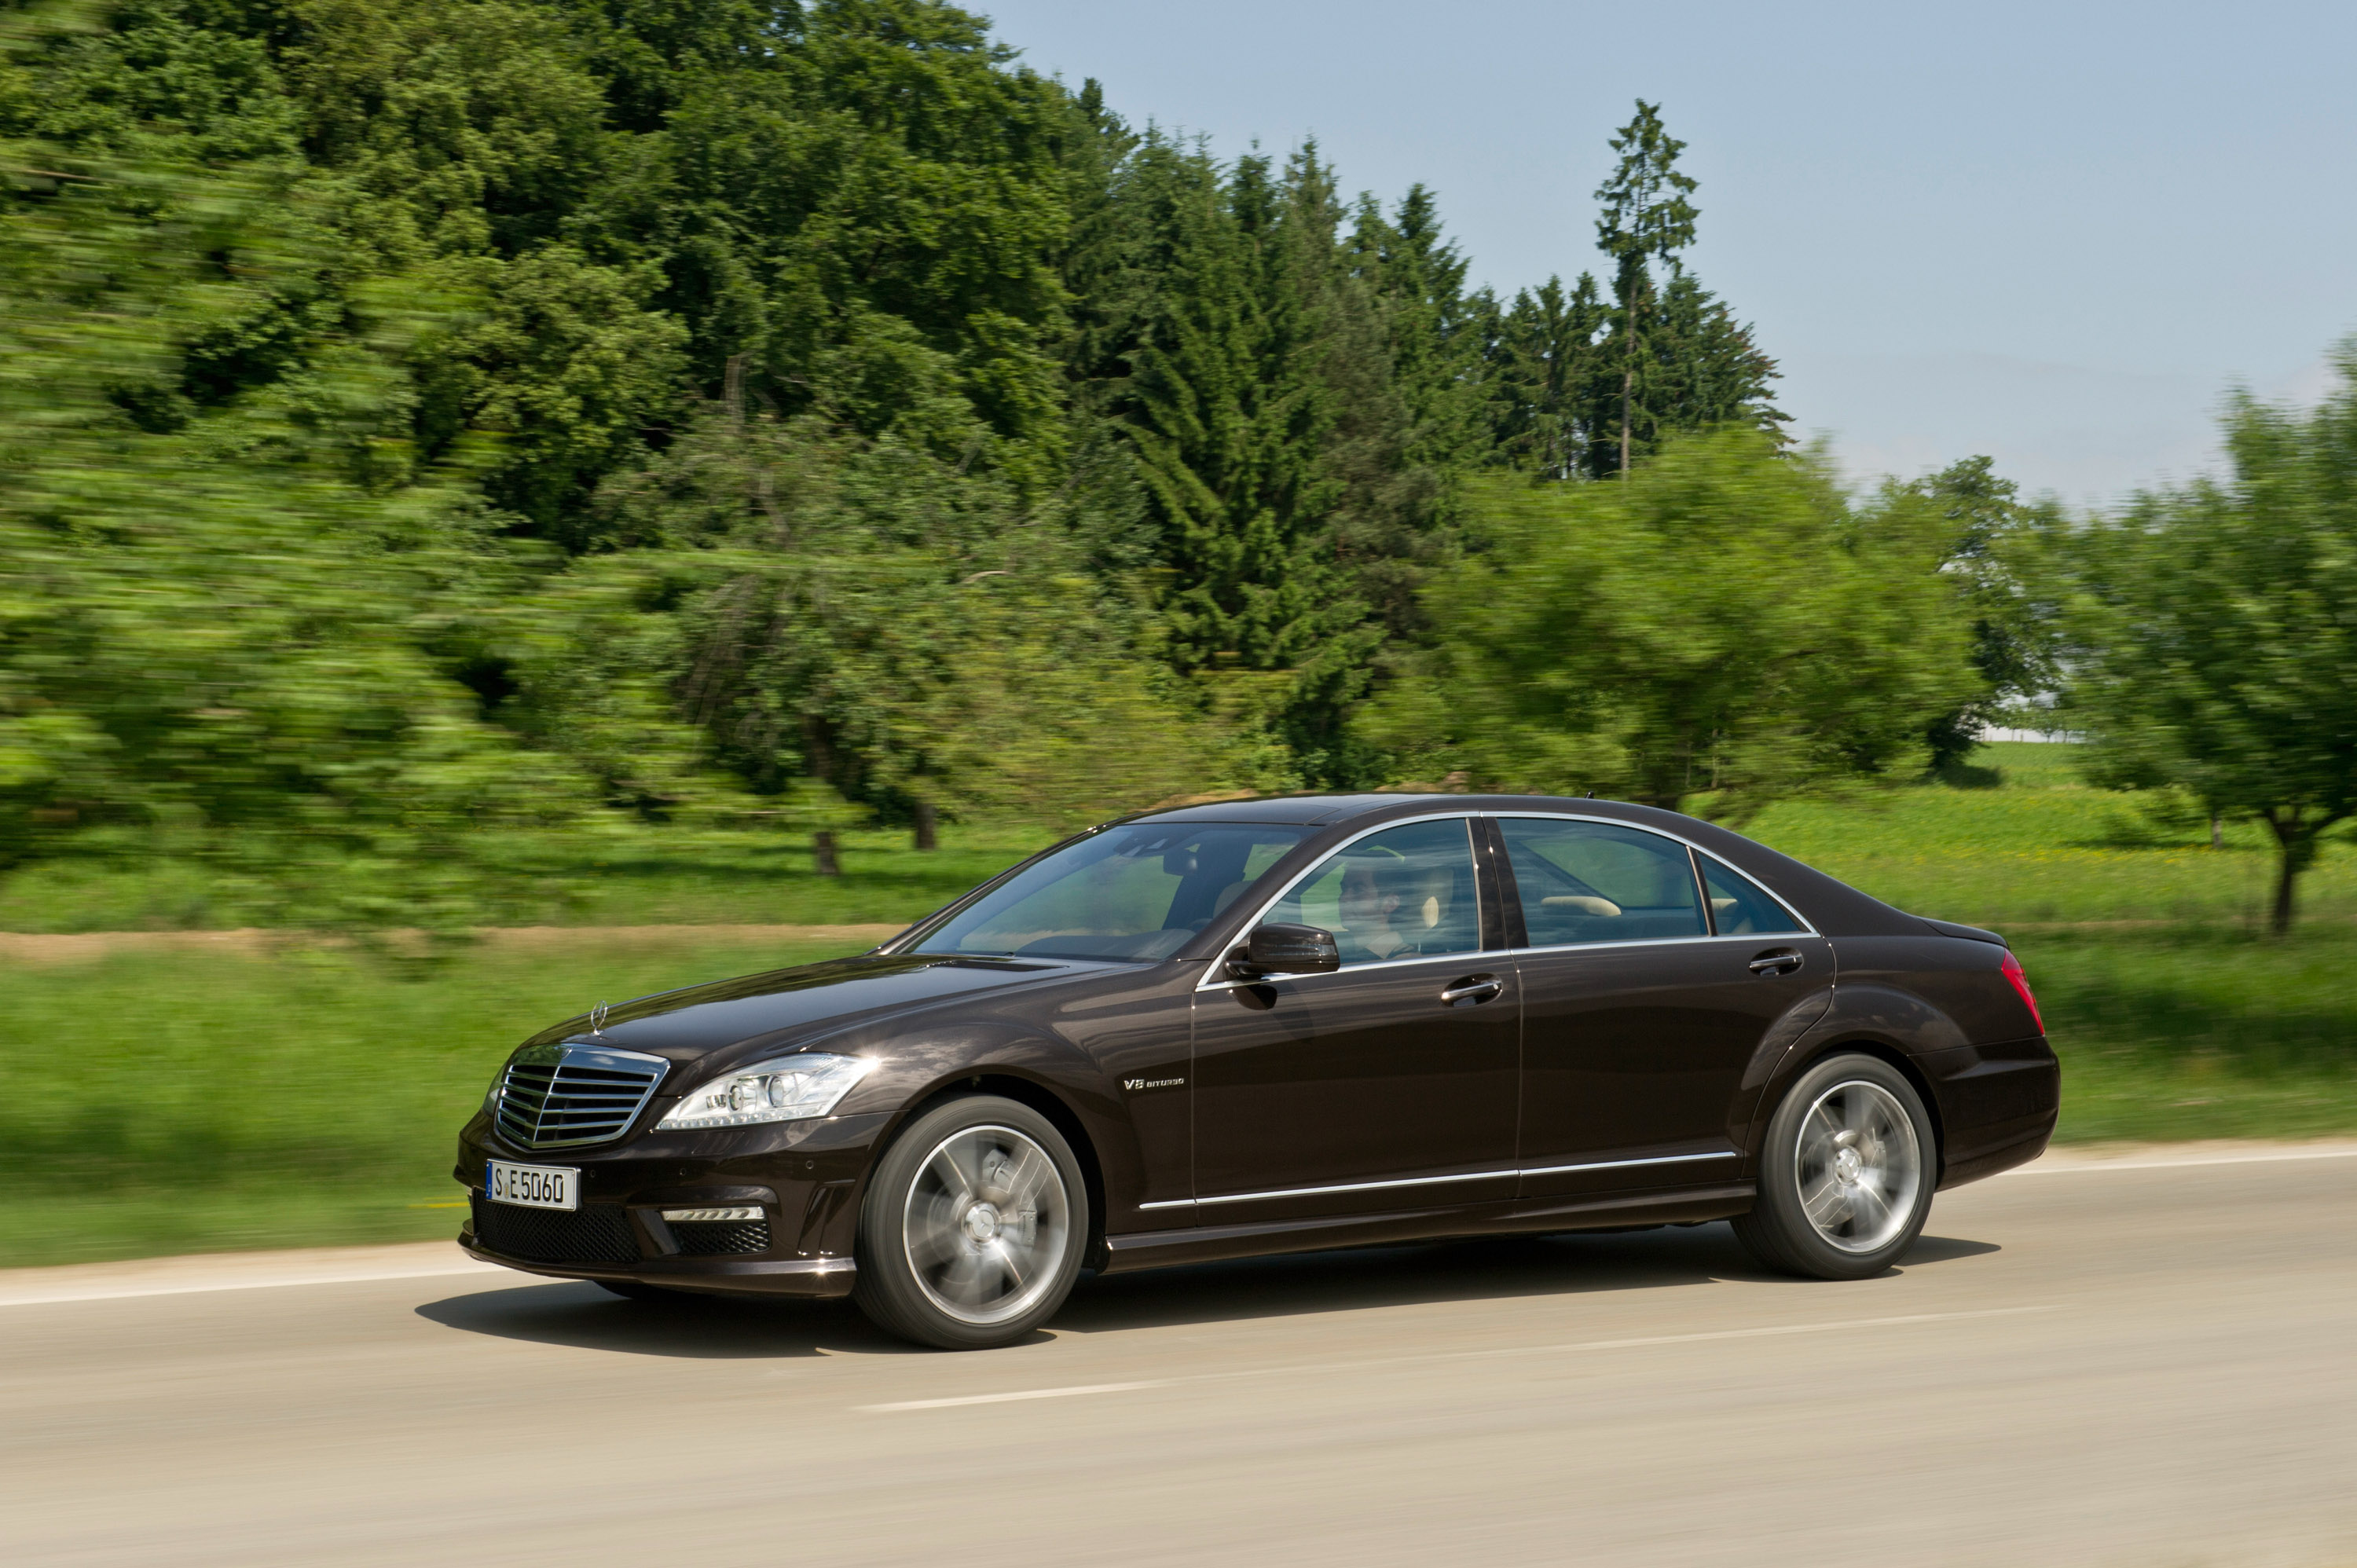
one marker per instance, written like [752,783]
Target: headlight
[784,1089]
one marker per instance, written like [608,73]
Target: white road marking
[1296,1368]
[1762,1333]
[126,1293]
[1021,1394]
[2040,1167]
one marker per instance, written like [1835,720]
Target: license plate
[532,1186]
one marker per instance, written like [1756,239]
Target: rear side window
[1739,905]
[1599,882]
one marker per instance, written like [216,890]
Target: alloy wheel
[1860,1165]
[987,1224]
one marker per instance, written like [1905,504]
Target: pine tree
[1545,364]
[1646,218]
[1581,386]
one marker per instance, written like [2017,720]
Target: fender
[922,1064]
[1775,1045]
[1890,1022]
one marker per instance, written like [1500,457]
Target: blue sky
[2054,233]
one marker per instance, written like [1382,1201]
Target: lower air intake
[707,1239]
[598,1233]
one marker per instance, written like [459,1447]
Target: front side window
[1405,892]
[1739,905]
[1600,882]
[1130,893]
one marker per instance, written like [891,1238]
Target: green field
[187,1102]
[632,877]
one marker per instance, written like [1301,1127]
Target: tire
[973,1226]
[635,1290]
[1845,1172]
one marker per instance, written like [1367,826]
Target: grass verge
[2201,1033]
[195,1102]
[188,1101]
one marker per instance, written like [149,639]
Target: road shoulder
[208,1272]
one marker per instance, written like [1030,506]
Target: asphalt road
[2107,1365]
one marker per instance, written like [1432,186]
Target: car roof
[1833,907]
[1305,810]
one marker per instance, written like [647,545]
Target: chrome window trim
[1516,1172]
[1219,963]
[1754,938]
[1692,849]
[1386,965]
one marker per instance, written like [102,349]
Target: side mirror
[1285,950]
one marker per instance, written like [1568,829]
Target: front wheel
[1845,1172]
[971,1232]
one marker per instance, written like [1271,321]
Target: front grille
[708,1237]
[560,1097]
[598,1233]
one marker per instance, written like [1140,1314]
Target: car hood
[809,999]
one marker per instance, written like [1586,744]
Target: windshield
[1128,892]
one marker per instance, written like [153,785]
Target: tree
[1577,385]
[1646,218]
[1250,362]
[1990,531]
[222,577]
[1722,624]
[2211,644]
[841,617]
[1544,370]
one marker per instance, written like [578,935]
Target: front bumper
[805,1177]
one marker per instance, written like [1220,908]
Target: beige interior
[1585,903]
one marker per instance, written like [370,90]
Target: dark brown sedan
[1266,1025]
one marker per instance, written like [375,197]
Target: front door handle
[1786,961]
[1474,988]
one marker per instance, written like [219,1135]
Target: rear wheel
[971,1232]
[1845,1172]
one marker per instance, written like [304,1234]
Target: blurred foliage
[2212,646]
[418,422]
[422,423]
[1992,539]
[1721,622]
[214,616]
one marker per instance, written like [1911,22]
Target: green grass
[2041,847]
[2201,1034]
[637,877]
[187,1102]
[190,1102]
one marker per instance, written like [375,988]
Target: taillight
[2011,969]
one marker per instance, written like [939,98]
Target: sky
[2056,234]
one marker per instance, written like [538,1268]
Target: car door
[1649,975]
[1390,1083]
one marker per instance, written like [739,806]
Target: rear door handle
[1474,988]
[1785,963]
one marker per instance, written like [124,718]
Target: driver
[1369,898]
